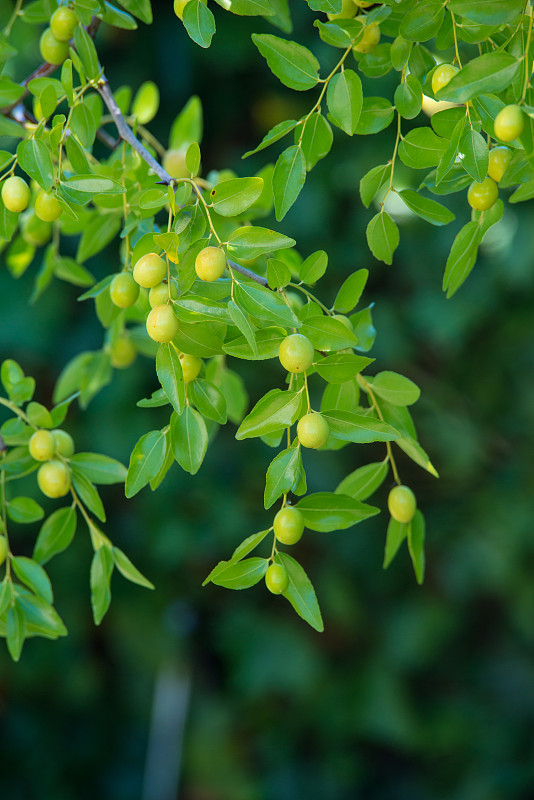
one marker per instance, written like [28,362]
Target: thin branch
[249,274]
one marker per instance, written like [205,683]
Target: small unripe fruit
[34,230]
[402,503]
[53,51]
[348,10]
[442,75]
[276,579]
[210,263]
[296,353]
[62,24]
[345,320]
[161,324]
[53,479]
[174,163]
[64,443]
[288,525]
[482,196]
[150,270]
[124,290]
[16,194]
[160,294]
[123,353]
[47,207]
[509,123]
[313,431]
[499,158]
[3,549]
[191,366]
[42,445]
[370,38]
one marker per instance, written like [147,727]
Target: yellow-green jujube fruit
[509,123]
[402,503]
[53,51]
[348,10]
[63,23]
[16,194]
[483,195]
[64,443]
[123,353]
[276,579]
[191,366]
[288,525]
[370,38]
[313,430]
[179,6]
[499,158]
[42,445]
[54,479]
[442,75]
[296,353]
[210,263]
[174,164]
[124,290]
[34,230]
[47,207]
[3,549]
[160,294]
[162,324]
[150,270]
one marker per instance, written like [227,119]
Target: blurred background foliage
[411,693]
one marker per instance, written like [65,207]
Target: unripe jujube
[296,353]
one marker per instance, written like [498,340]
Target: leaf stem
[390,457]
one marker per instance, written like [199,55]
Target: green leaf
[189,439]
[327,333]
[83,125]
[101,569]
[24,510]
[252,241]
[429,210]
[409,97]
[268,341]
[487,12]
[395,388]
[461,258]
[352,427]
[288,179]
[474,148]
[141,9]
[278,273]
[40,618]
[364,481]
[274,135]
[413,449]
[342,367]
[327,511]
[10,92]
[209,400]
[248,8]
[277,409]
[416,545]
[35,159]
[33,576]
[145,461]
[56,534]
[88,493]
[396,534]
[382,237]
[231,198]
[93,184]
[373,181]
[350,291]
[345,99]
[127,569]
[316,141]
[242,575]
[313,267]
[377,114]
[292,63]
[449,157]
[491,72]
[15,631]
[99,468]
[241,321]
[423,21]
[265,305]
[422,148]
[300,592]
[282,474]
[199,22]
[87,52]
[169,372]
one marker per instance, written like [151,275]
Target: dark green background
[416,693]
